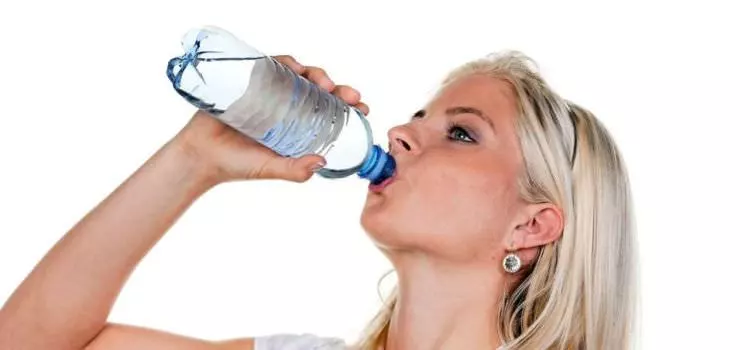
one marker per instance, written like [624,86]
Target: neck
[443,305]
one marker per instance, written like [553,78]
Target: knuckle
[317,71]
[285,58]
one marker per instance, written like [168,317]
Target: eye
[458,133]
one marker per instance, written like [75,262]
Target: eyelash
[453,127]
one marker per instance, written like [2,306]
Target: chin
[380,222]
[374,217]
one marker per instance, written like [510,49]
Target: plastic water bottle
[267,101]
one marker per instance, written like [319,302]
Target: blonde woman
[508,224]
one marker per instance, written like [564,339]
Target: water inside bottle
[268,102]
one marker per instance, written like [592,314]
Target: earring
[511,263]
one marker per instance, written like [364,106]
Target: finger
[363,107]
[319,77]
[293,169]
[347,93]
[291,62]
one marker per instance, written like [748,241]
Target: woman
[508,225]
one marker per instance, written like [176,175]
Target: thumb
[294,169]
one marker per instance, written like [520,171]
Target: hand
[230,155]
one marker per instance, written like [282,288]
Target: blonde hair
[581,291]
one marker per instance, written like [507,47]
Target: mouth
[382,185]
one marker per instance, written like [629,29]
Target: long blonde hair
[581,291]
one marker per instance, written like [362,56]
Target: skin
[445,231]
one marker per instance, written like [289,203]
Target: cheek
[457,211]
[463,208]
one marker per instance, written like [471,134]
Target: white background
[85,101]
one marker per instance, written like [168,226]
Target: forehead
[492,96]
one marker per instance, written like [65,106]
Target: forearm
[66,299]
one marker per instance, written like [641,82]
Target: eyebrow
[470,110]
[459,110]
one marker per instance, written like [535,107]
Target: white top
[302,342]
[298,342]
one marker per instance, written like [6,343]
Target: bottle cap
[378,166]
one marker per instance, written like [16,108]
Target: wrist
[195,171]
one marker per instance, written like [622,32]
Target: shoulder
[305,341]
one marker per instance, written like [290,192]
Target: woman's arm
[66,299]
[64,302]
[120,337]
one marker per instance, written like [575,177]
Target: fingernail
[317,166]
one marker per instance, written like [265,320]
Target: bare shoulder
[124,337]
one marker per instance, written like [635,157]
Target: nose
[402,139]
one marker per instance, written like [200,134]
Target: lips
[381,186]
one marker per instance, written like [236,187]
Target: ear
[538,225]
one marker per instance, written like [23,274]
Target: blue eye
[460,134]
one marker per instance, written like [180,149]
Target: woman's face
[455,188]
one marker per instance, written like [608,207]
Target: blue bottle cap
[378,166]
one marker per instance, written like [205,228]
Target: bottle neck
[378,166]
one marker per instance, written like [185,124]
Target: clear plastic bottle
[268,102]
